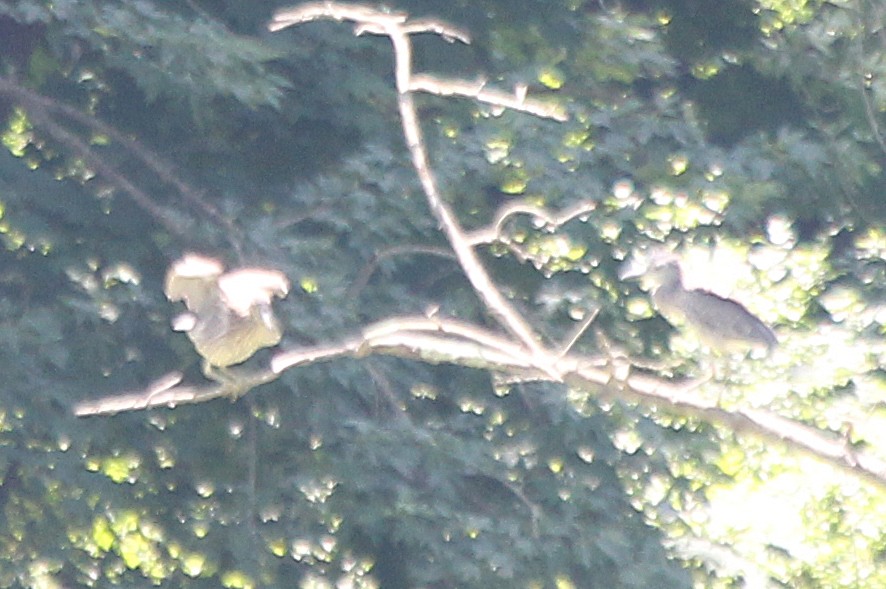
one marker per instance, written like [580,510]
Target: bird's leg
[235,385]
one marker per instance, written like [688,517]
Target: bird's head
[656,269]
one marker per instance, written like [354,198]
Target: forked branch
[398,28]
[437,340]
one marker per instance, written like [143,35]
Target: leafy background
[748,133]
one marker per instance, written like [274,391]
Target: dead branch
[164,392]
[678,397]
[311,11]
[446,30]
[434,339]
[396,27]
[449,32]
[438,341]
[478,91]
[492,233]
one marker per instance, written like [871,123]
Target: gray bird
[721,324]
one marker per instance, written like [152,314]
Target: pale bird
[229,314]
[721,324]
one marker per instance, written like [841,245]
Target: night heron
[229,314]
[721,324]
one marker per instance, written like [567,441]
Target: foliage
[748,132]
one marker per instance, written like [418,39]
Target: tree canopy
[469,391]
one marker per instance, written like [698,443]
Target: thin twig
[492,233]
[578,332]
[369,269]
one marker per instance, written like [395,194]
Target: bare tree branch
[416,26]
[678,398]
[493,232]
[438,340]
[396,27]
[478,91]
[446,30]
[311,11]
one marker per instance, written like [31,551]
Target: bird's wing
[727,318]
[194,280]
[246,288]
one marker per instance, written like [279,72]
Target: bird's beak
[633,268]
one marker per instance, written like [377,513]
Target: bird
[229,316]
[723,325]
